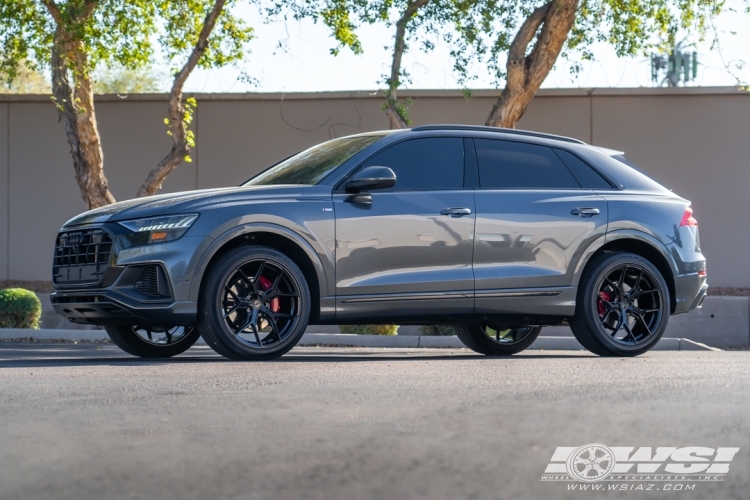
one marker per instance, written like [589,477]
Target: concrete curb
[555,343]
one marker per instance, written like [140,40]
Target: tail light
[688,219]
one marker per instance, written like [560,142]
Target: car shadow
[65,355]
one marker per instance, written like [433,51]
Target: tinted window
[635,167]
[434,163]
[312,165]
[586,176]
[509,165]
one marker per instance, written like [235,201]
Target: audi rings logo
[71,239]
[592,462]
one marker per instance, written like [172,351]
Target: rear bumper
[104,307]
[690,292]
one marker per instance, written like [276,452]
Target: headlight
[159,229]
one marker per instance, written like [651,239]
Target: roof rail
[512,131]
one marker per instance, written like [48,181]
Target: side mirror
[371,178]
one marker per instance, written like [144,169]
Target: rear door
[408,250]
[534,218]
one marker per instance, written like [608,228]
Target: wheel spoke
[234,295]
[622,278]
[645,292]
[630,332]
[251,321]
[637,283]
[275,295]
[275,287]
[271,318]
[258,274]
[248,282]
[619,325]
[236,306]
[611,283]
[148,332]
[639,318]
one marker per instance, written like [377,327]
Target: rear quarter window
[587,177]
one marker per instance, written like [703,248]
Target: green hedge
[437,330]
[370,329]
[19,308]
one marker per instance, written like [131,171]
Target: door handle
[585,212]
[455,212]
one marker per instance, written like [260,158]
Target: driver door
[407,251]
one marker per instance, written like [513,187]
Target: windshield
[312,165]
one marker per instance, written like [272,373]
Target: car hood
[175,203]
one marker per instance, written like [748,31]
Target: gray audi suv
[496,232]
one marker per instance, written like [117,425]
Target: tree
[411,19]
[187,33]
[490,28]
[120,80]
[26,81]
[75,36]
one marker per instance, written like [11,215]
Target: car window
[585,175]
[517,165]
[429,163]
[312,165]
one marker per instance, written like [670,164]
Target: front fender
[316,255]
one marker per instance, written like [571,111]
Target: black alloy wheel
[254,304]
[497,340]
[153,341]
[623,306]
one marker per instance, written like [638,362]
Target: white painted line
[701,345]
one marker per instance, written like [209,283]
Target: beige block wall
[4,187]
[693,140]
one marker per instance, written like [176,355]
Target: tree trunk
[396,111]
[180,145]
[525,74]
[76,109]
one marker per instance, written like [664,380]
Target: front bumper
[103,307]
[123,295]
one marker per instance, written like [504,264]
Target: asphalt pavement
[88,421]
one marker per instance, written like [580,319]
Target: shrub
[19,308]
[437,330]
[370,329]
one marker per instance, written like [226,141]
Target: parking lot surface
[88,421]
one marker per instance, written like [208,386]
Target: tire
[622,307]
[498,341]
[254,304]
[152,342]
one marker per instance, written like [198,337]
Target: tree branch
[395,113]
[180,146]
[54,10]
[525,74]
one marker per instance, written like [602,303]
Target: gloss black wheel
[153,341]
[254,304]
[497,340]
[623,306]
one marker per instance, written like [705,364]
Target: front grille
[81,257]
[152,282]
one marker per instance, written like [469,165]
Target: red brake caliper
[266,284]
[601,307]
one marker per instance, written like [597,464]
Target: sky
[305,64]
